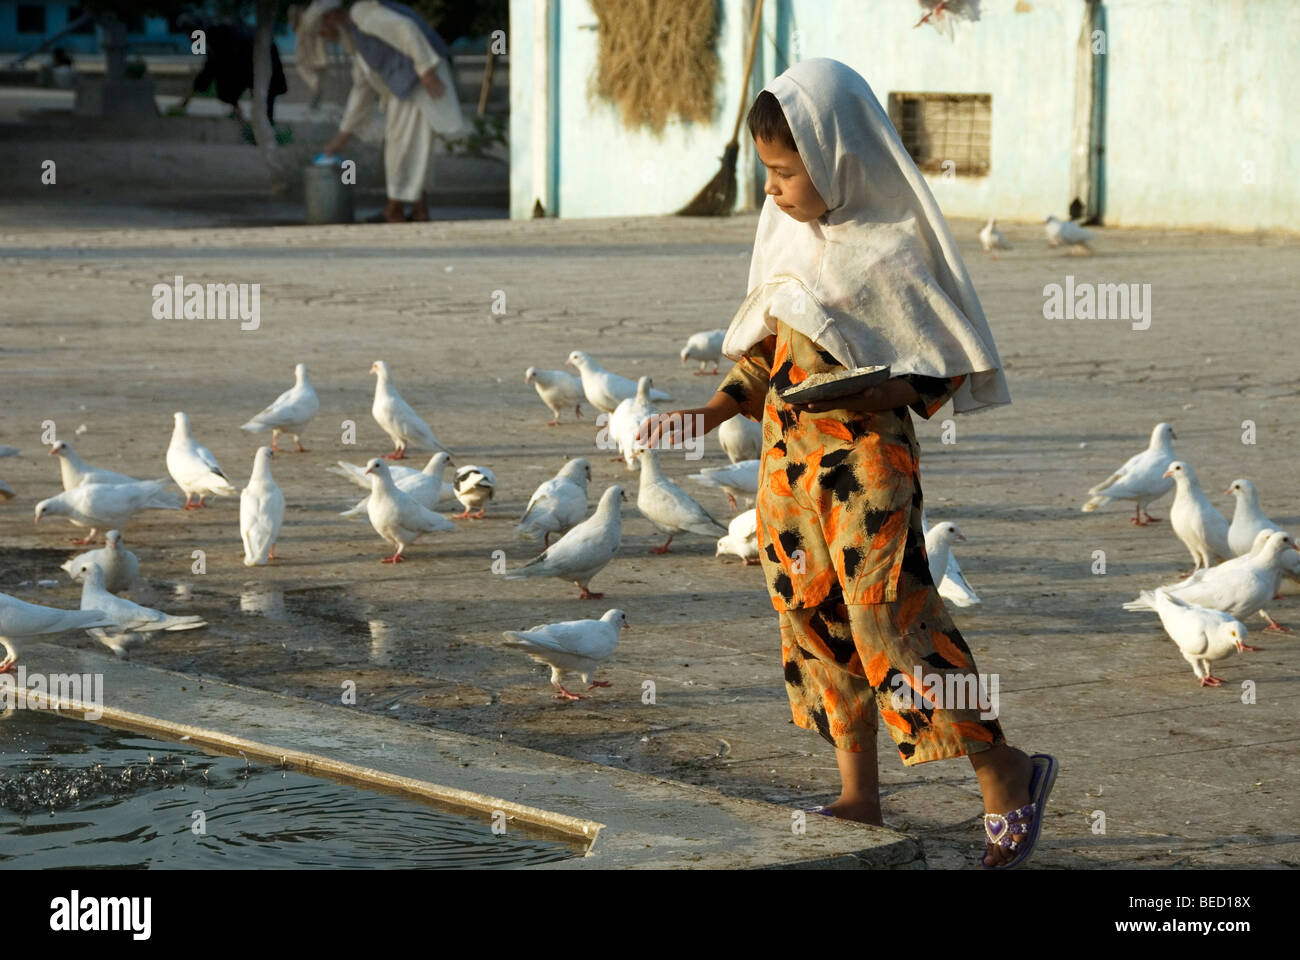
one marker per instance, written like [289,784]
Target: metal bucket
[326,197]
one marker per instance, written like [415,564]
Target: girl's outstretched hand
[665,429]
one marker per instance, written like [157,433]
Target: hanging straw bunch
[657,59]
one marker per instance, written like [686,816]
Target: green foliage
[489,131]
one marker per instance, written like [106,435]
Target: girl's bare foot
[858,809]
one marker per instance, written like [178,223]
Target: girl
[854,265]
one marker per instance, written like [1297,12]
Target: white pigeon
[1202,635]
[741,438]
[357,474]
[107,506]
[605,389]
[396,418]
[290,413]
[128,619]
[741,539]
[261,511]
[1142,478]
[706,347]
[395,515]
[944,571]
[668,506]
[121,567]
[1240,587]
[74,471]
[626,420]
[558,389]
[738,479]
[573,646]
[1068,233]
[194,468]
[426,487]
[1196,521]
[991,238]
[558,504]
[1247,519]
[585,550]
[474,487]
[20,620]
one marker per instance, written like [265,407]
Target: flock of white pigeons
[1200,614]
[402,505]
[1239,567]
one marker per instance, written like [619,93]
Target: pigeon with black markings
[474,487]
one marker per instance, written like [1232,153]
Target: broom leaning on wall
[718,197]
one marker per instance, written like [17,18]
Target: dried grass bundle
[657,59]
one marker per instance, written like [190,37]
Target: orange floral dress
[864,632]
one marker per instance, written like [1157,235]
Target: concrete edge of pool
[623,819]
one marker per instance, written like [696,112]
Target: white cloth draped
[878,279]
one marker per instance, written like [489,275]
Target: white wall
[1194,90]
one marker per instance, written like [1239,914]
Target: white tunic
[411,122]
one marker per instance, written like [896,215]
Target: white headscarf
[878,279]
[312,56]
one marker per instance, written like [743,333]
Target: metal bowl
[842,385]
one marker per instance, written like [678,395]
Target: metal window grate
[945,131]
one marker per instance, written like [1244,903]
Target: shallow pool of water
[75,794]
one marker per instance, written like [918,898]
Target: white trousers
[409,136]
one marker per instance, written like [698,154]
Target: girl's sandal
[1027,821]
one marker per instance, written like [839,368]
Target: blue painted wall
[154,34]
[1195,106]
